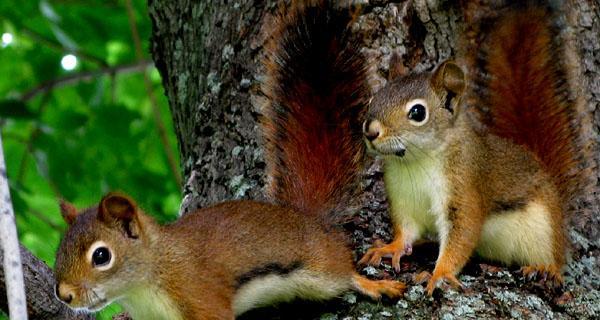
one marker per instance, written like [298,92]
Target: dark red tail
[525,91]
[316,89]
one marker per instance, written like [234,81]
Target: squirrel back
[521,90]
[316,89]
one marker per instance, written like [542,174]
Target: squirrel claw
[444,281]
[393,289]
[376,288]
[379,250]
[548,275]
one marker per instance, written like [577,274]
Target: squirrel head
[410,116]
[102,253]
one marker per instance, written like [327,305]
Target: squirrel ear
[396,67]
[68,211]
[449,77]
[115,207]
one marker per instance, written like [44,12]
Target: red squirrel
[501,192]
[221,261]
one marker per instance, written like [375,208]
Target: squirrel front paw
[443,280]
[396,250]
[376,288]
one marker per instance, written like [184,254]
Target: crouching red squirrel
[220,261]
[501,192]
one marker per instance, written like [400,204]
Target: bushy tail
[316,90]
[524,90]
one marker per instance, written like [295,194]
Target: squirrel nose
[64,294]
[372,129]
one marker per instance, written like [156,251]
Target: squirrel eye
[417,113]
[101,256]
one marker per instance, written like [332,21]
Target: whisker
[422,167]
[418,163]
[410,150]
[95,294]
[421,150]
[412,185]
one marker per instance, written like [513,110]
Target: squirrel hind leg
[549,275]
[376,288]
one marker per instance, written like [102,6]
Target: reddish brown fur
[68,211]
[224,230]
[198,260]
[527,96]
[206,261]
[214,246]
[316,91]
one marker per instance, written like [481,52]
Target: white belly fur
[150,303]
[417,192]
[518,237]
[273,288]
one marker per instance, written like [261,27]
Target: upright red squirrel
[501,193]
[220,261]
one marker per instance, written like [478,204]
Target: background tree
[78,134]
[79,130]
[208,56]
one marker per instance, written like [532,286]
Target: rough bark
[206,52]
[208,56]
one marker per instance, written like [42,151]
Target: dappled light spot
[7,39]
[68,62]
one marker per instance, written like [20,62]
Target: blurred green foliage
[80,138]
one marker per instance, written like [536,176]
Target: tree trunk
[208,56]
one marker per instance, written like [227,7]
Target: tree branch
[57,46]
[87,75]
[10,244]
